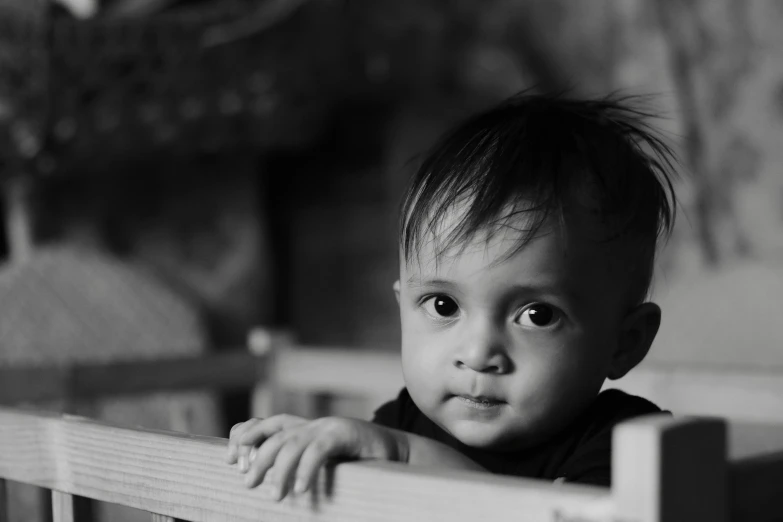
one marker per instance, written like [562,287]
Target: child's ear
[638,332]
[396,287]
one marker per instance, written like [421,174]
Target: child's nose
[483,351]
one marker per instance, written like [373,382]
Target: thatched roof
[66,304]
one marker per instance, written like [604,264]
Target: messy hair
[540,155]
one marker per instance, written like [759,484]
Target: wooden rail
[186,477]
[665,470]
[177,476]
[728,392]
[236,369]
[314,370]
[742,394]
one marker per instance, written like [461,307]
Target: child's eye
[538,315]
[441,306]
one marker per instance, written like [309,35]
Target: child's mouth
[480,402]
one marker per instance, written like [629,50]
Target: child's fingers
[255,434]
[240,451]
[310,462]
[256,431]
[285,466]
[232,454]
[264,458]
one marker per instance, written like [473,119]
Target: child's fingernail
[243,464]
[253,454]
[300,486]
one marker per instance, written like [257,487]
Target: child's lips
[481,402]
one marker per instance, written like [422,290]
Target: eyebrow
[514,289]
[417,282]
[546,289]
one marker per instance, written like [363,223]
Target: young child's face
[502,353]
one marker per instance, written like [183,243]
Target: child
[527,242]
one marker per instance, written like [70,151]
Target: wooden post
[667,469]
[18,218]
[62,507]
[264,343]
[268,399]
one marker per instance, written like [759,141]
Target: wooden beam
[339,371]
[313,370]
[186,477]
[231,369]
[744,394]
[737,394]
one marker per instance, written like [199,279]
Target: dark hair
[539,155]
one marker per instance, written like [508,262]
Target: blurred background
[177,172]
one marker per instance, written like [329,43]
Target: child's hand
[282,448]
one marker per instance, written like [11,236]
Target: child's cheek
[424,351]
[425,360]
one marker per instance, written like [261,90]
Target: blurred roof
[66,304]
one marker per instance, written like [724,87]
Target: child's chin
[480,435]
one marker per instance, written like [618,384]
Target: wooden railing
[273,362]
[270,363]
[664,469]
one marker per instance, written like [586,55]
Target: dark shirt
[581,453]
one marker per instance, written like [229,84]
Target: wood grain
[664,469]
[186,477]
[154,517]
[670,470]
[62,507]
